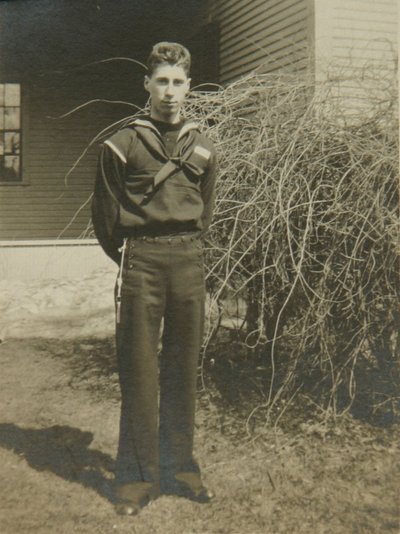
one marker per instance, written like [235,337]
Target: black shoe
[202,495]
[132,497]
[127,508]
[189,486]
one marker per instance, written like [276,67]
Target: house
[334,38]
[55,58]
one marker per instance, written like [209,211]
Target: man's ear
[189,80]
[146,82]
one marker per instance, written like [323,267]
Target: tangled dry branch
[306,227]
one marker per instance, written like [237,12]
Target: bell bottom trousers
[163,279]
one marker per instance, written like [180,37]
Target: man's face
[168,86]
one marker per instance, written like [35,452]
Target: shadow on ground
[377,399]
[64,451]
[238,378]
[242,379]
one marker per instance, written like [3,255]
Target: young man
[152,203]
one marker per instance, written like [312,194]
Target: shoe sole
[127,509]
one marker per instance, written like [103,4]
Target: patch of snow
[58,308]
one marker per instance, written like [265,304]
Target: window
[10,132]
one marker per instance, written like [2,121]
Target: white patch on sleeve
[203,152]
[116,150]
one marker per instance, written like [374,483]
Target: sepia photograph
[199,267]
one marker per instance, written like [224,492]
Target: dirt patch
[59,401]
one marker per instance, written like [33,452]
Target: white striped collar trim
[146,124]
[116,150]
[187,127]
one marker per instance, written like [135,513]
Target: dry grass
[59,434]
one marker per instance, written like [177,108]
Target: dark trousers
[162,279]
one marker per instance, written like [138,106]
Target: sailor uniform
[155,193]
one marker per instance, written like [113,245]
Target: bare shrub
[305,228]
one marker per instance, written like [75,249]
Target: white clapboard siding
[357,40]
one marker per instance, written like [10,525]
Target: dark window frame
[21,179]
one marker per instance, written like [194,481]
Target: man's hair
[171,53]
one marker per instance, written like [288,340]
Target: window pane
[10,170]
[1,94]
[12,162]
[1,145]
[11,142]
[11,118]
[1,118]
[12,94]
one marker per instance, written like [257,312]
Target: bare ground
[59,403]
